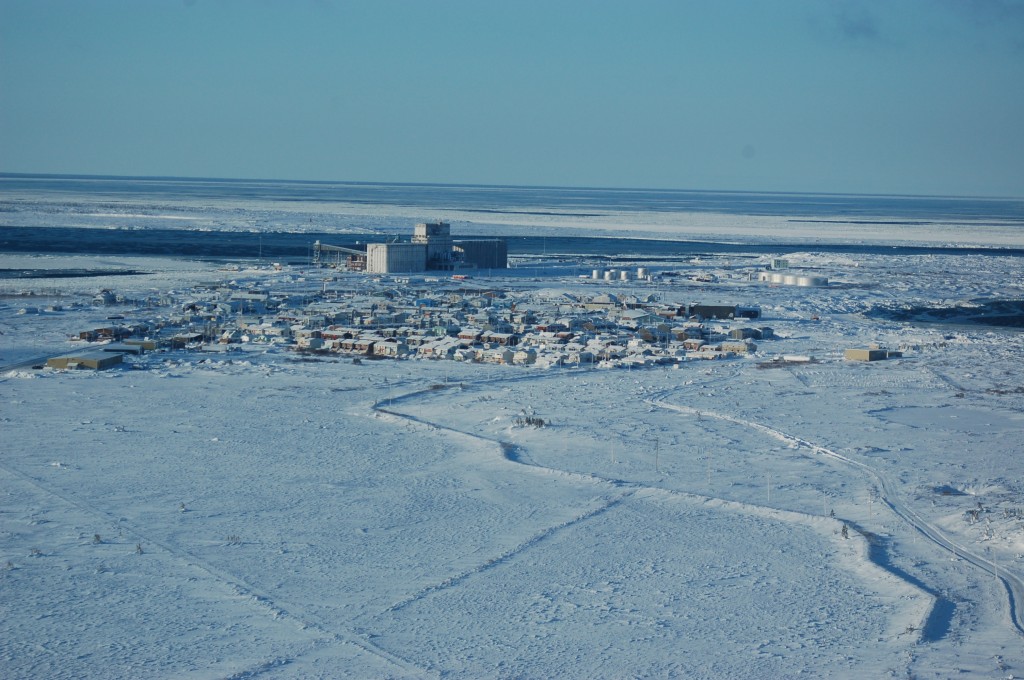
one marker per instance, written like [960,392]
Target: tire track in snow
[531,542]
[507,453]
[1013,584]
[946,380]
[301,620]
[625,490]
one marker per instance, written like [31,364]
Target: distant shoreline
[295,247]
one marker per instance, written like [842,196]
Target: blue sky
[858,96]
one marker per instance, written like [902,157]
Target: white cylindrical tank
[609,275]
[789,279]
[598,273]
[641,272]
[624,275]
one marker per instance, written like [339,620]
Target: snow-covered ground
[257,513]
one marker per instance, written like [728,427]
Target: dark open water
[143,193]
[296,247]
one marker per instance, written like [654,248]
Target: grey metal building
[433,249]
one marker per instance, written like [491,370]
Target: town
[440,298]
[405,317]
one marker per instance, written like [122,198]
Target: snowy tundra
[262,514]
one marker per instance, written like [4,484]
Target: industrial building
[96,360]
[383,258]
[432,249]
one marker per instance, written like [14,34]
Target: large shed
[870,354]
[96,360]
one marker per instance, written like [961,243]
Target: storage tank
[598,273]
[812,281]
[789,279]
[641,272]
[624,275]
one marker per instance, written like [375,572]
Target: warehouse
[96,360]
[384,258]
[433,249]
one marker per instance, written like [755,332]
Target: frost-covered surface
[255,513]
[220,210]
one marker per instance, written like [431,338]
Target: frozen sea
[279,220]
[262,514]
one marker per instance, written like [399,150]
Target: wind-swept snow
[314,530]
[259,513]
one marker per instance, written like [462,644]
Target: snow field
[431,535]
[653,587]
[322,534]
[621,444]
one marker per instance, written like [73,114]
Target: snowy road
[1014,585]
[616,490]
[6,369]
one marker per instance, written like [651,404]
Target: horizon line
[187,178]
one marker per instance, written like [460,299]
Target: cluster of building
[458,322]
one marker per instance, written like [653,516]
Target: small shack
[870,354]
